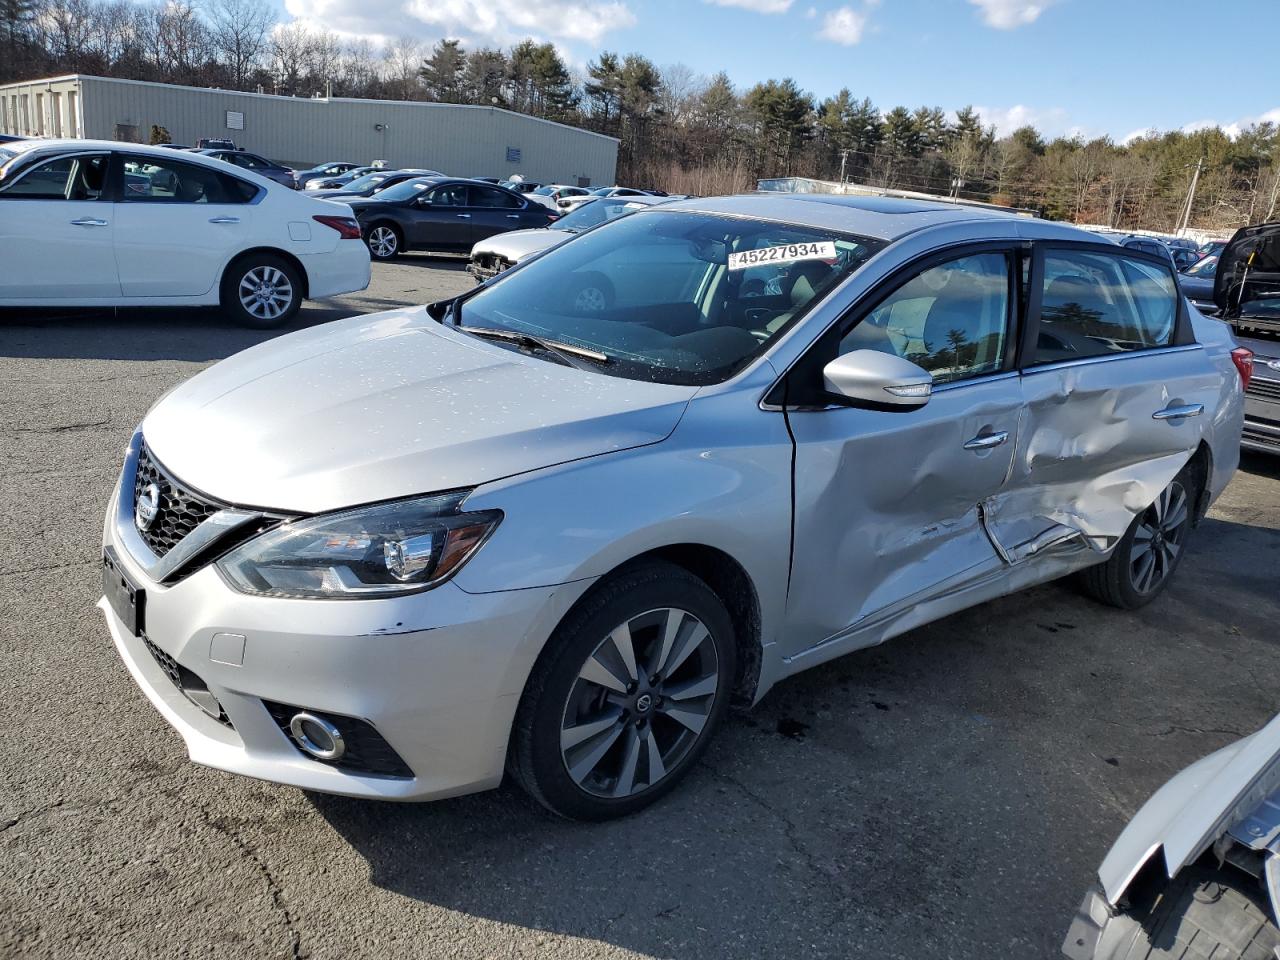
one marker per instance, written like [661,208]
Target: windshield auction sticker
[783,253]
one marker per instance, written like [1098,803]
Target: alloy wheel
[639,703]
[266,293]
[1158,540]
[383,242]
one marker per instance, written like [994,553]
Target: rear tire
[1199,915]
[1150,551]
[261,291]
[623,701]
[384,241]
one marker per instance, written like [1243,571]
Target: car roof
[89,146]
[881,218]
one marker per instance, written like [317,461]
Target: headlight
[385,550]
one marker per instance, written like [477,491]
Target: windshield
[1204,267]
[5,157]
[404,190]
[594,212]
[368,180]
[672,297]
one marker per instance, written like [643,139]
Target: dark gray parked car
[259,165]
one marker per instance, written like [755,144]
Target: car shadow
[894,802]
[127,333]
[1260,464]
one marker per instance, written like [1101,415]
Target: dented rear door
[1116,398]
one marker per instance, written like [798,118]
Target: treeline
[678,131]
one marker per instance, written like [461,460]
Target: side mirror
[422,202]
[879,381]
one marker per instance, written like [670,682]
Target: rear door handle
[513,216]
[985,441]
[465,216]
[1179,412]
[88,222]
[224,219]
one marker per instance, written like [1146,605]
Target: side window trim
[1183,334]
[809,364]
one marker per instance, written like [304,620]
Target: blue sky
[1094,67]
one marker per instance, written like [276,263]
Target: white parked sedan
[503,251]
[88,223]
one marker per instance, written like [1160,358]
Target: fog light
[317,736]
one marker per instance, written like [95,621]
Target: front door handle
[985,441]
[1179,412]
[224,219]
[465,216]
[88,222]
[513,216]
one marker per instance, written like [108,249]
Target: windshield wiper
[554,347]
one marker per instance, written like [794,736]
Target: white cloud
[758,6]
[476,22]
[1050,121]
[844,26]
[1234,128]
[1138,134]
[1011,14]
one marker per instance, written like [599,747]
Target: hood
[518,244]
[1249,270]
[369,203]
[391,405]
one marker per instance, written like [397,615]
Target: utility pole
[844,156]
[1191,198]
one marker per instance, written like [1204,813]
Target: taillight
[552,217]
[1242,357]
[348,229]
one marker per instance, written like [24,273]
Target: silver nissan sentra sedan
[531,531]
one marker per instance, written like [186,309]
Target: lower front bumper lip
[213,745]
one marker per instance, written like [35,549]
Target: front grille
[191,686]
[366,750]
[181,508]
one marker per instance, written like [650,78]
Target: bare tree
[401,61]
[238,32]
[290,51]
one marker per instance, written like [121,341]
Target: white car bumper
[432,679]
[345,269]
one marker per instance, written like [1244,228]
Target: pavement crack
[274,890]
[29,814]
[789,828]
[1198,730]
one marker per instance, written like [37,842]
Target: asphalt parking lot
[947,795]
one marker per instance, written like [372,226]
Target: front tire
[261,291]
[628,692]
[384,241]
[1149,552]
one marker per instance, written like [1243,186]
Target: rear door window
[151,180]
[1096,304]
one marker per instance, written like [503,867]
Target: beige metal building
[456,139]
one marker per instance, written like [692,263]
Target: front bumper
[484,266]
[1098,931]
[1262,416]
[438,675]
